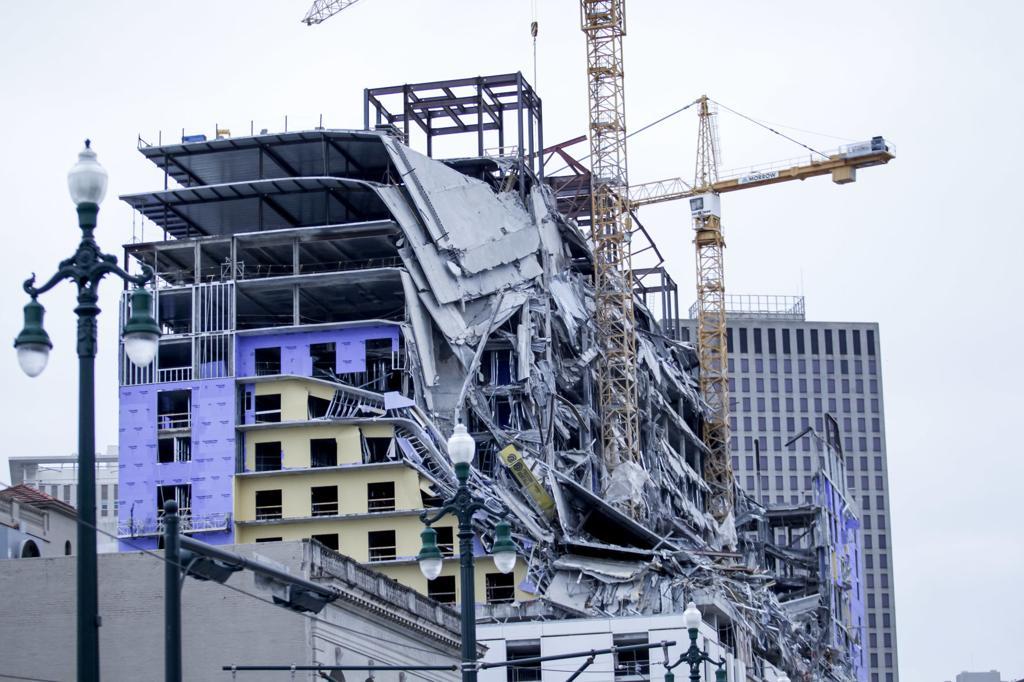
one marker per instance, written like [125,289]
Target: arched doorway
[67,548]
[29,550]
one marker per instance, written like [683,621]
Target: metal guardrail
[174,420]
[187,522]
[268,513]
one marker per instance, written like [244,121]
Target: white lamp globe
[32,358]
[505,561]
[461,446]
[141,348]
[431,568]
[691,617]
[87,179]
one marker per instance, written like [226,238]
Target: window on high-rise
[842,342]
[743,339]
[757,341]
[268,456]
[268,505]
[814,342]
[800,341]
[329,540]
[500,588]
[856,342]
[323,452]
[267,409]
[324,358]
[771,341]
[728,339]
[381,545]
[380,496]
[442,589]
[870,341]
[324,500]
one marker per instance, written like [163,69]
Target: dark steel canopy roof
[260,205]
[349,153]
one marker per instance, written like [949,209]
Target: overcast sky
[929,246]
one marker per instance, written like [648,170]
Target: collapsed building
[333,302]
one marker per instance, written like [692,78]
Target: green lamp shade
[141,331]
[429,557]
[33,343]
[503,550]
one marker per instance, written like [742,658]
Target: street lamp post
[693,656]
[461,448]
[87,182]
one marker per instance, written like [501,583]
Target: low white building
[550,632]
[57,476]
[376,621]
[33,524]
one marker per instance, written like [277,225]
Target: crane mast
[711,345]
[604,23]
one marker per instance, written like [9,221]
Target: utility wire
[7,676]
[767,127]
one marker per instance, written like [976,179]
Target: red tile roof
[27,494]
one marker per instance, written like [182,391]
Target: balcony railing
[174,420]
[264,369]
[268,513]
[325,508]
[381,504]
[170,374]
[383,553]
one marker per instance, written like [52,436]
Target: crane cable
[769,128]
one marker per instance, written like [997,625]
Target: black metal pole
[467,584]
[172,594]
[87,577]
[695,656]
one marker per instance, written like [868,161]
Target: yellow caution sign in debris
[512,459]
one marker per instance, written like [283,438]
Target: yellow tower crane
[604,24]
[705,208]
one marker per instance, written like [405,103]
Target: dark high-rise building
[786,374]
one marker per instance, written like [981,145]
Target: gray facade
[375,619]
[786,374]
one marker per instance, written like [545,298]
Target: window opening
[277,539]
[446,540]
[500,588]
[324,358]
[182,494]
[268,361]
[174,449]
[268,505]
[378,450]
[632,665]
[442,589]
[516,650]
[323,452]
[329,540]
[324,500]
[381,544]
[268,456]
[316,408]
[268,409]
[174,410]
[380,496]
